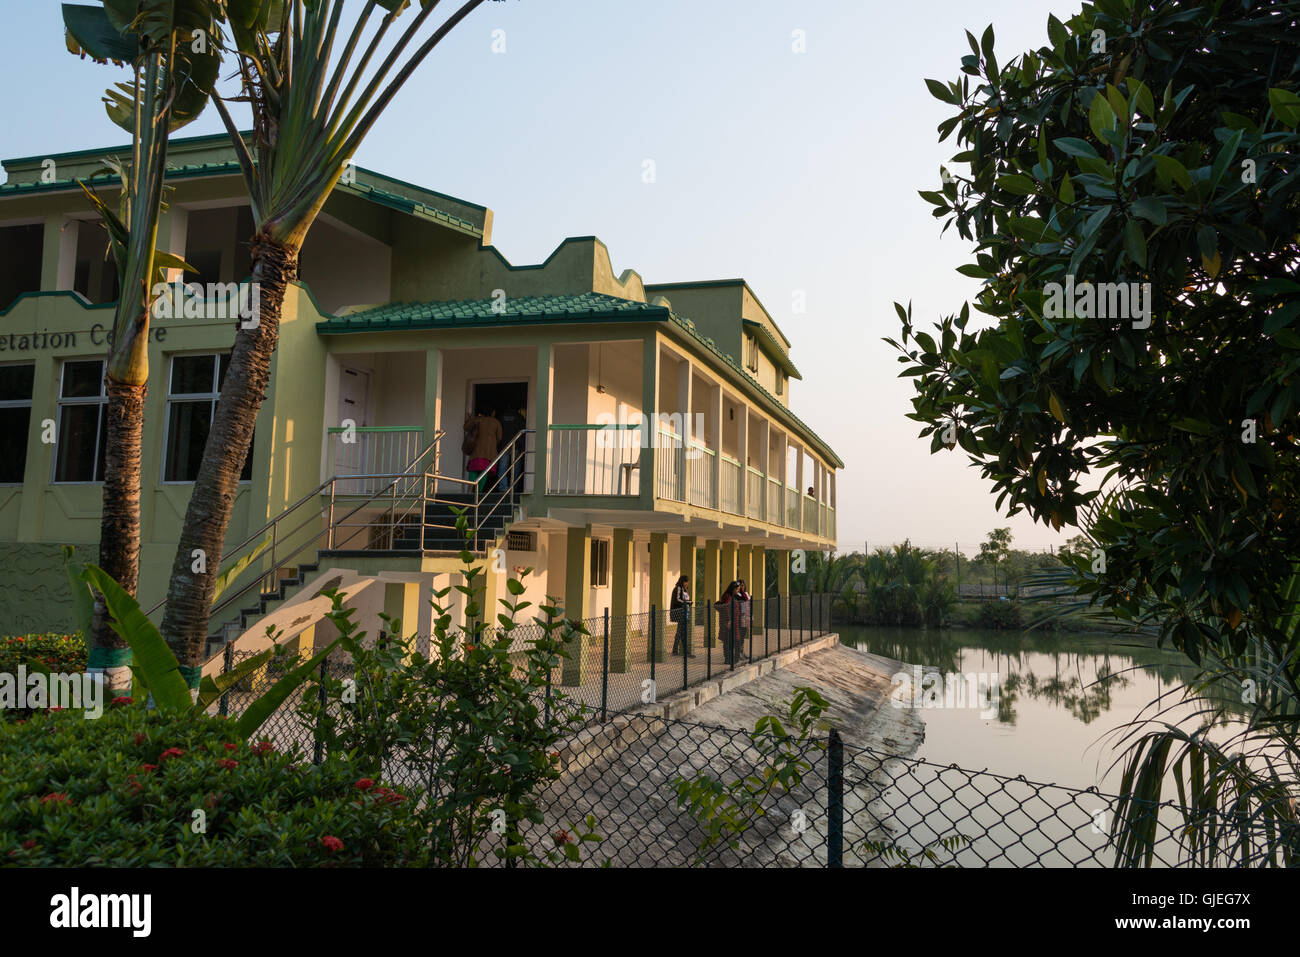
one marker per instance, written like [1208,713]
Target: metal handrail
[273,526]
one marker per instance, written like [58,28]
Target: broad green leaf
[255,714]
[152,659]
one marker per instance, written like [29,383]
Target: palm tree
[172,48]
[309,117]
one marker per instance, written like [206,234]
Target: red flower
[148,767]
[123,699]
[561,838]
[140,737]
[227,763]
[365,784]
[331,843]
[263,747]
[230,746]
[170,753]
[28,845]
[58,797]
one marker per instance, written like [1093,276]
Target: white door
[354,386]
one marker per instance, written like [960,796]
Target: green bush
[1006,615]
[58,653]
[123,791]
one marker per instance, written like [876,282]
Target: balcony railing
[810,523]
[369,451]
[731,478]
[593,460]
[775,501]
[699,476]
[670,467]
[791,507]
[753,493]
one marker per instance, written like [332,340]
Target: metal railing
[369,450]
[753,493]
[775,501]
[670,467]
[730,480]
[699,475]
[594,459]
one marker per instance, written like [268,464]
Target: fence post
[652,650]
[778,622]
[708,636]
[751,631]
[686,645]
[835,803]
[227,665]
[319,753]
[604,672]
[731,631]
[549,666]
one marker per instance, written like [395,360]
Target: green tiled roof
[587,306]
[775,351]
[481,312]
[364,190]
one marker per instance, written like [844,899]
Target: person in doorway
[512,423]
[729,626]
[483,442]
[679,610]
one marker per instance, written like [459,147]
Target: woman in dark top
[680,612]
[729,628]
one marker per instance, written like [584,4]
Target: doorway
[508,401]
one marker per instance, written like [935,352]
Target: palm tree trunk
[198,555]
[119,529]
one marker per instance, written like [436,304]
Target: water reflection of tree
[1089,669]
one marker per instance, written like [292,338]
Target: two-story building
[647,424]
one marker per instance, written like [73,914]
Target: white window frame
[101,401]
[188,397]
[20,404]
[600,548]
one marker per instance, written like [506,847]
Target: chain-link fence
[843,806]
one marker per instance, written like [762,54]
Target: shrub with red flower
[140,737]
[171,753]
[365,784]
[227,763]
[56,797]
[262,747]
[230,746]
[123,699]
[148,767]
[331,843]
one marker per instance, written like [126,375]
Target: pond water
[1060,697]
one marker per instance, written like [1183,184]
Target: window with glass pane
[15,420]
[192,391]
[80,440]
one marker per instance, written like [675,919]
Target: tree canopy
[1130,189]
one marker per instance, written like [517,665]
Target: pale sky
[796,171]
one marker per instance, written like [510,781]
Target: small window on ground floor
[600,562]
[15,420]
[79,441]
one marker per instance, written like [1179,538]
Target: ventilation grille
[521,541]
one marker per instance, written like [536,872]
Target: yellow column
[658,592]
[783,572]
[709,592]
[744,565]
[727,570]
[402,605]
[620,598]
[577,589]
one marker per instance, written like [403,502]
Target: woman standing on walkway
[680,612]
[745,610]
[729,627]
